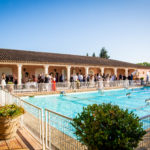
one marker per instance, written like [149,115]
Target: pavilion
[21,62]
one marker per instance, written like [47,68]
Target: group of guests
[77,80]
[98,77]
[6,79]
[45,79]
[50,79]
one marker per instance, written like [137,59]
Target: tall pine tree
[103,53]
[94,55]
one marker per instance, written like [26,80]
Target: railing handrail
[58,114]
[22,99]
[35,107]
[72,119]
[144,117]
[74,81]
[31,104]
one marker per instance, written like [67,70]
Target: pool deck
[67,91]
[145,143]
[22,141]
[25,141]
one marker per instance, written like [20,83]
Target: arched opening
[120,72]
[94,71]
[109,71]
[29,72]
[91,72]
[60,73]
[77,70]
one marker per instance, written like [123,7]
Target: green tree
[87,54]
[103,53]
[94,55]
[108,127]
[144,64]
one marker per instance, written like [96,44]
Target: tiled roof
[9,55]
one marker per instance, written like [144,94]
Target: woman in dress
[3,81]
[53,84]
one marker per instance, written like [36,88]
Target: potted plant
[107,127]
[9,120]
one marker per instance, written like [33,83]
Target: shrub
[11,111]
[107,127]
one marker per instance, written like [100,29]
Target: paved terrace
[22,141]
[25,141]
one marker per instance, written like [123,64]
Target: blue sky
[78,27]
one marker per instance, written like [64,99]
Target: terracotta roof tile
[7,55]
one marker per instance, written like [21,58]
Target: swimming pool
[71,104]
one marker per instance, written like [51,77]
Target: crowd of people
[47,78]
[7,79]
[98,77]
[81,79]
[43,78]
[51,79]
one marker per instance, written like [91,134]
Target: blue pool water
[71,104]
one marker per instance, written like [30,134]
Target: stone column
[102,70]
[68,73]
[115,72]
[46,69]
[86,71]
[19,74]
[126,72]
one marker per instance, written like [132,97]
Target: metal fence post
[45,128]
[42,124]
[49,129]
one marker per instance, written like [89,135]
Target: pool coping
[41,94]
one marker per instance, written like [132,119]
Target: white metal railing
[59,86]
[59,133]
[32,120]
[144,144]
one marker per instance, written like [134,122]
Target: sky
[78,27]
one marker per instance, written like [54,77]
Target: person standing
[88,80]
[71,82]
[147,77]
[75,78]
[53,84]
[46,81]
[3,80]
[120,77]
[131,76]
